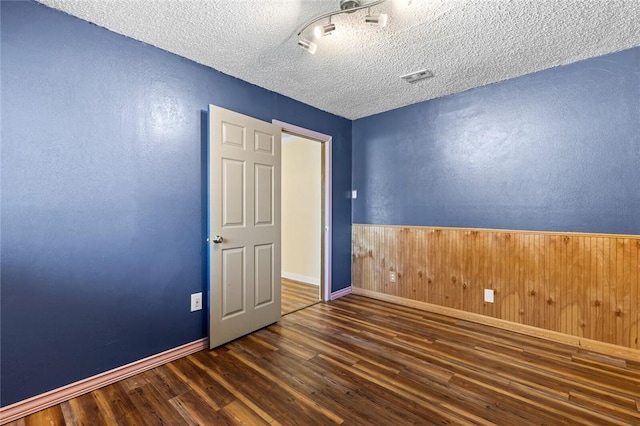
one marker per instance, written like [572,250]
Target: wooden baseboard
[340,293]
[40,402]
[593,345]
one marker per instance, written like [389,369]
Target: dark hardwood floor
[297,295]
[359,361]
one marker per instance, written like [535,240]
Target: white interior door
[244,225]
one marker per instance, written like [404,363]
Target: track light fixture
[323,30]
[307,45]
[379,19]
[346,6]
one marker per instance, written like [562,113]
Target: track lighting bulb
[323,30]
[307,45]
[379,19]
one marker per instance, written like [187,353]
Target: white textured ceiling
[355,73]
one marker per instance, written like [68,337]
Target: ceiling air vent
[417,76]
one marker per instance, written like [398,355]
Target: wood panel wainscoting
[581,285]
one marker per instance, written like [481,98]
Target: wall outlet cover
[196,302]
[488,295]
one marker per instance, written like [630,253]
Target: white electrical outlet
[392,277]
[196,302]
[488,295]
[354,194]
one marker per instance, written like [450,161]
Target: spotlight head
[307,45]
[379,19]
[323,30]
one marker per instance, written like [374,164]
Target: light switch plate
[354,194]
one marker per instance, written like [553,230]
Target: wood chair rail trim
[520,231]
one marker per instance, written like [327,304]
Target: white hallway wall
[301,209]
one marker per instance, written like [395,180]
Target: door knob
[217,239]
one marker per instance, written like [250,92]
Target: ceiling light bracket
[349,5]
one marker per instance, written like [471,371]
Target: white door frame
[326,140]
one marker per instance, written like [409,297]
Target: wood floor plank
[314,341]
[209,389]
[312,408]
[629,415]
[154,408]
[365,398]
[51,416]
[237,413]
[117,407]
[359,361]
[166,382]
[201,358]
[287,345]
[260,391]
[567,410]
[83,410]
[195,410]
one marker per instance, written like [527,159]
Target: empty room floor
[360,361]
[297,295]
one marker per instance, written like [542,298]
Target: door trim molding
[340,293]
[56,396]
[327,240]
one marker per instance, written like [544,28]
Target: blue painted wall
[103,195]
[558,150]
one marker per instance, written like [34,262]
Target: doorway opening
[306,218]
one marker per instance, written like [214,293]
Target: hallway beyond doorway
[297,295]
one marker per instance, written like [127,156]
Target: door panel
[233,135]
[264,195]
[233,282]
[233,180]
[264,143]
[264,274]
[244,209]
